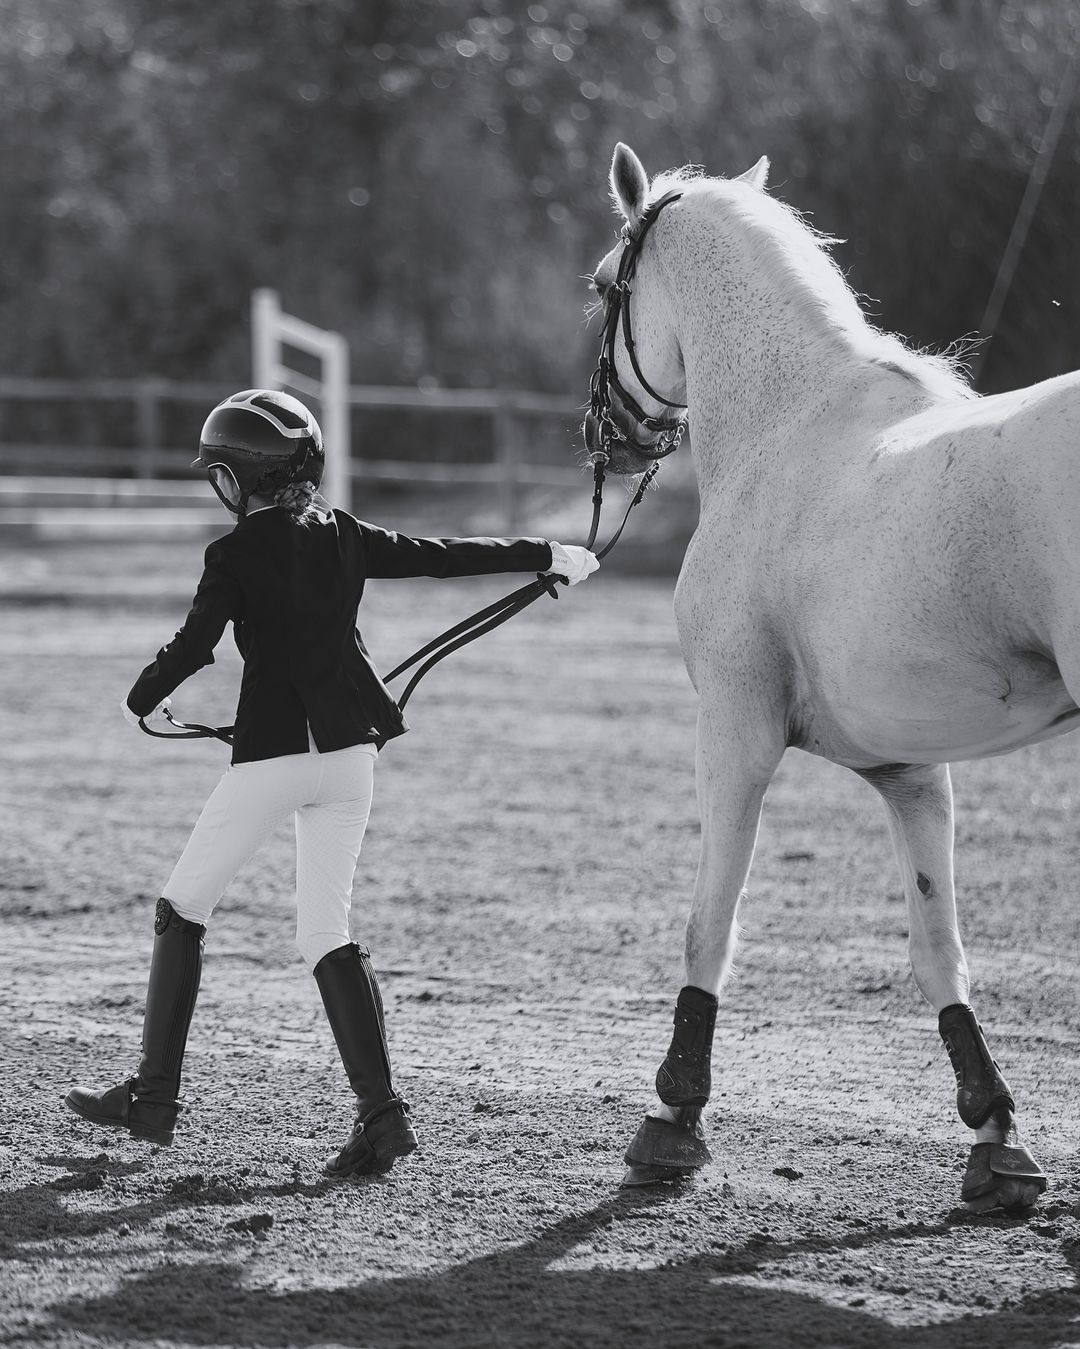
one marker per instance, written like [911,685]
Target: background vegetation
[429,176]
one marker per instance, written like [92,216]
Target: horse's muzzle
[616,439]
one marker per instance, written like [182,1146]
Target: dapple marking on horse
[884,574]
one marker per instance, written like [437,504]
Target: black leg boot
[147,1104]
[684,1078]
[354,1008]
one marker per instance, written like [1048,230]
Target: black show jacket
[291,592]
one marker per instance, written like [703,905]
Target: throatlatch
[980,1088]
[684,1077]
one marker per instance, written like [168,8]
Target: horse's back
[985,493]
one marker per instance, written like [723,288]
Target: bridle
[606,390]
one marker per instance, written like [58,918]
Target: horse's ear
[629,183]
[756,176]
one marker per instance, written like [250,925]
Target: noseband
[605,388]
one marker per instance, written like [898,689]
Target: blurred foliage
[430,176]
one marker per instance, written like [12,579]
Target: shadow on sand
[511,1298]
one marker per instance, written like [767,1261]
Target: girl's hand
[158,714]
[572,562]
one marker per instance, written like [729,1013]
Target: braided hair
[298,501]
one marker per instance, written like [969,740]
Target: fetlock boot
[354,1008]
[147,1104]
[684,1078]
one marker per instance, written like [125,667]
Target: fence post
[504,429]
[147,426]
[265,309]
[336,411]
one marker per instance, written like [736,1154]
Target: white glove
[158,714]
[572,561]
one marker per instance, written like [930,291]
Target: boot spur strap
[363,1127]
[356,1157]
[359,1139]
[395,1103]
[373,1150]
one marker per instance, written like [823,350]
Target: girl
[311,713]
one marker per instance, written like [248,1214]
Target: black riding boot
[354,1008]
[147,1104]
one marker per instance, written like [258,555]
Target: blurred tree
[429,176]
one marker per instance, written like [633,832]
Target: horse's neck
[762,365]
[747,407]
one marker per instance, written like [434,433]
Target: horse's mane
[781,232]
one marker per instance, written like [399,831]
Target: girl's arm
[390,554]
[216,602]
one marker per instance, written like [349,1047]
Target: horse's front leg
[1001,1172]
[735,763]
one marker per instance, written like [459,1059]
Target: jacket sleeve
[216,602]
[389,554]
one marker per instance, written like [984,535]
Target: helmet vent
[285,415]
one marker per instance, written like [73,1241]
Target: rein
[487,620]
[600,431]
[187,730]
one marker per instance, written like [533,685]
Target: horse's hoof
[662,1151]
[1001,1175]
[637,1176]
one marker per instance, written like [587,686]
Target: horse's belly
[973,736]
[894,720]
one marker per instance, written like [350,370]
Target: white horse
[885,573]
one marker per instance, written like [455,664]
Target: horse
[884,574]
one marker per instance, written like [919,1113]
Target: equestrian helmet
[263,440]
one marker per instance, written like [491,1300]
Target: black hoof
[674,1150]
[1002,1175]
[635,1177]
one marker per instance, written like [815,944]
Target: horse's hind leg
[733,771]
[1001,1173]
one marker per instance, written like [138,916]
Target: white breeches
[330,797]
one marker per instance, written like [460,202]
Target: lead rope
[469,629]
[187,730]
[487,620]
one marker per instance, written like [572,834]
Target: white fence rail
[149,457]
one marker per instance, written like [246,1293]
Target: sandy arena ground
[523,890]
